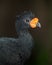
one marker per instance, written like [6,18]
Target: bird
[15,51]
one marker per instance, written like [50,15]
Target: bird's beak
[38,25]
[35,23]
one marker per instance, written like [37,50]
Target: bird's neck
[25,37]
[24,33]
[26,41]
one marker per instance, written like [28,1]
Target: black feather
[15,51]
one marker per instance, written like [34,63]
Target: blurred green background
[42,51]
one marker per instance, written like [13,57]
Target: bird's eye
[27,20]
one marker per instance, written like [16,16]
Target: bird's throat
[26,36]
[23,33]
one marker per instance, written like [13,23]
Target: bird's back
[14,51]
[9,51]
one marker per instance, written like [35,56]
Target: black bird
[15,51]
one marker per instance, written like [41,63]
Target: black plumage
[15,51]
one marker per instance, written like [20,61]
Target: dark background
[42,53]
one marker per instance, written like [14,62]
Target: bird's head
[26,20]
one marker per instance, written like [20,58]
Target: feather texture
[15,51]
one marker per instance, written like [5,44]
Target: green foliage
[42,58]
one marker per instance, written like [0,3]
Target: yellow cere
[34,22]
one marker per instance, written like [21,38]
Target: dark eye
[27,20]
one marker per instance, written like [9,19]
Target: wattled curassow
[15,51]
